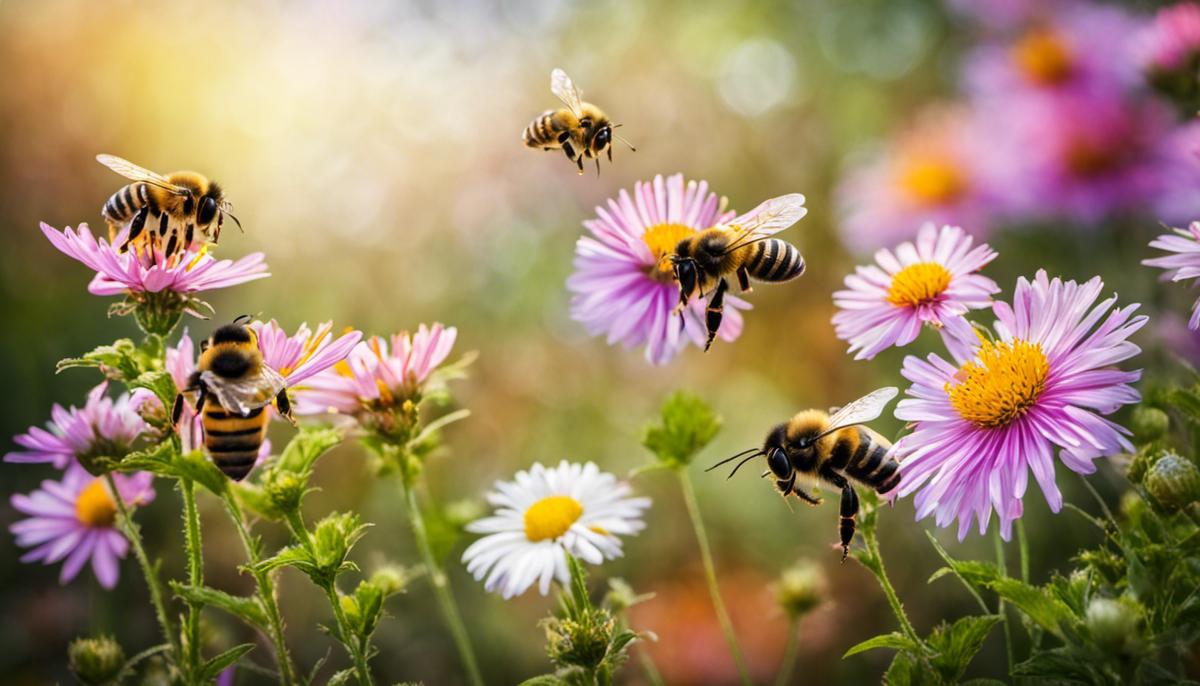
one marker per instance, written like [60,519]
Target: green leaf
[958,643]
[340,678]
[1046,611]
[164,460]
[907,670]
[983,682]
[305,447]
[1059,664]
[196,467]
[159,383]
[543,680]
[894,641]
[255,499]
[247,609]
[292,556]
[158,459]
[685,426]
[118,361]
[215,666]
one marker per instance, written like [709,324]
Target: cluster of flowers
[1053,127]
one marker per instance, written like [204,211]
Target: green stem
[649,668]
[1001,609]
[1023,545]
[195,563]
[266,589]
[710,575]
[133,535]
[789,654]
[868,534]
[441,586]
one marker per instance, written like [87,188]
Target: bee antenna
[235,221]
[733,457]
[631,148]
[744,461]
[243,318]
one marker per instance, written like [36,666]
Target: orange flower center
[933,181]
[1086,158]
[918,284]
[1043,57]
[551,517]
[94,506]
[1002,385]
[662,239]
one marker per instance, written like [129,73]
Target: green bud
[800,589]
[685,426]
[1113,624]
[1173,481]
[156,313]
[391,579]
[96,661]
[1149,423]
[462,512]
[285,490]
[621,596]
[579,643]
[332,539]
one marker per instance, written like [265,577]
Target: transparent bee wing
[863,410]
[132,171]
[564,89]
[244,395]
[769,218]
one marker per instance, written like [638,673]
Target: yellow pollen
[662,239]
[933,180]
[918,284]
[385,393]
[599,530]
[343,368]
[1043,57]
[94,506]
[1002,385]
[550,517]
[309,349]
[196,260]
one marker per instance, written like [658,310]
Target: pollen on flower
[1043,57]
[550,517]
[94,506]
[1002,385]
[662,239]
[933,180]
[918,284]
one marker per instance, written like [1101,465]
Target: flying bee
[580,129]
[234,388]
[701,262]
[832,448]
[166,213]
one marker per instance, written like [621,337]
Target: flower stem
[441,586]
[266,589]
[1001,608]
[789,655]
[1023,544]
[710,575]
[868,534]
[195,562]
[149,571]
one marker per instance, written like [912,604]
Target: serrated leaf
[907,670]
[253,498]
[291,556]
[1059,664]
[958,643]
[309,444]
[215,666]
[245,608]
[196,467]
[159,383]
[1048,612]
[894,641]
[120,359]
[157,459]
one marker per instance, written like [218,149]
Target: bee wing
[244,395]
[132,171]
[769,218]
[564,89]
[863,410]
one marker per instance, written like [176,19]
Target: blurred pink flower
[75,519]
[1179,200]
[104,427]
[1172,41]
[150,272]
[1043,383]
[1184,263]
[932,282]
[623,286]
[305,353]
[939,170]
[374,376]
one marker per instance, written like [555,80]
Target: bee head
[687,274]
[209,204]
[602,138]
[775,450]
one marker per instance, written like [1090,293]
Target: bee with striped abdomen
[580,129]
[234,389]
[167,213]
[835,449]
[701,262]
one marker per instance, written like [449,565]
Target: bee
[580,129]
[701,262]
[234,389]
[833,448]
[166,213]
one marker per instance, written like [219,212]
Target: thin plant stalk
[149,571]
[868,534]
[789,655]
[1023,545]
[195,563]
[649,669]
[1002,609]
[266,590]
[441,586]
[710,575]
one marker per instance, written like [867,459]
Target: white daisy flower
[543,514]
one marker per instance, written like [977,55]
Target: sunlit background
[373,152]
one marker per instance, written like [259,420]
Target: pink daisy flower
[1172,41]
[622,285]
[982,423]
[75,520]
[103,427]
[931,282]
[378,374]
[1184,263]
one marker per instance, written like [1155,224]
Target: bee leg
[849,509]
[579,161]
[136,227]
[715,312]
[743,277]
[609,154]
[569,150]
[597,167]
[805,496]
[285,406]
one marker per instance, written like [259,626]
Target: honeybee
[234,388]
[831,448]
[166,213]
[580,129]
[701,262]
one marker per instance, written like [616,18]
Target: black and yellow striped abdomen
[862,455]
[233,440]
[545,130]
[773,260]
[122,205]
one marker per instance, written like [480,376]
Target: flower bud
[684,427]
[1149,423]
[800,589]
[1173,481]
[1113,624]
[285,490]
[96,661]
[579,643]
[391,579]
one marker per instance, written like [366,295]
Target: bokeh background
[372,150]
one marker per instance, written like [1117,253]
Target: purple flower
[1184,263]
[103,427]
[1179,201]
[305,353]
[623,286]
[75,519]
[932,282]
[1172,41]
[1042,384]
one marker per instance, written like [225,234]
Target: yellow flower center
[1043,57]
[310,348]
[918,284]
[1086,158]
[933,180]
[94,507]
[1002,385]
[662,239]
[550,517]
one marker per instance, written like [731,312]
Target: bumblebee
[166,213]
[834,449]
[234,389]
[580,129]
[701,262]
